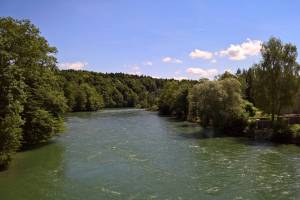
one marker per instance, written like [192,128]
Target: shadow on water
[37,146]
[190,130]
[201,134]
[113,112]
[260,142]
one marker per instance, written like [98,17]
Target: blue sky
[161,38]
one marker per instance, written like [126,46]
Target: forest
[35,94]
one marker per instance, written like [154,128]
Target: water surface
[135,154]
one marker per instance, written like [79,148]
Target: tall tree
[276,77]
[34,59]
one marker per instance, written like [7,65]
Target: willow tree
[218,104]
[276,77]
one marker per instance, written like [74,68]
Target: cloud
[73,65]
[201,54]
[213,61]
[148,63]
[158,77]
[242,51]
[202,73]
[180,78]
[171,60]
[135,70]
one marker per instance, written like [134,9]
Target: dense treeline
[34,94]
[109,90]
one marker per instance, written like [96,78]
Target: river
[135,154]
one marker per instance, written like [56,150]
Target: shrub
[249,108]
[294,130]
[281,132]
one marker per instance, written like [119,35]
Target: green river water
[135,154]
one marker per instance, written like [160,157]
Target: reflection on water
[134,154]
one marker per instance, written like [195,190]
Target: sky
[162,38]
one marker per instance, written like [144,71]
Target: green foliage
[249,108]
[173,99]
[226,75]
[40,126]
[11,98]
[246,78]
[295,131]
[218,104]
[117,90]
[284,133]
[86,99]
[281,132]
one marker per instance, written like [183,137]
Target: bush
[236,125]
[249,108]
[281,132]
[294,130]
[40,127]
[154,108]
[138,106]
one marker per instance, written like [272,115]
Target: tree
[218,104]
[26,50]
[226,75]
[173,99]
[94,101]
[276,77]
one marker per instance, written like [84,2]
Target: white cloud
[158,77]
[167,59]
[171,60]
[148,63]
[242,51]
[180,78]
[73,65]
[213,61]
[201,54]
[135,70]
[202,73]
